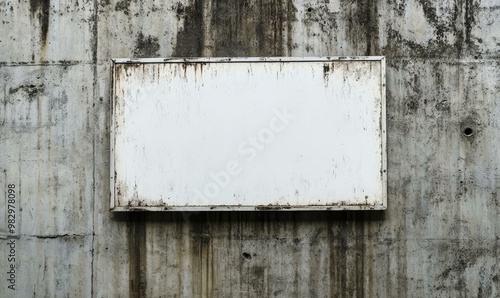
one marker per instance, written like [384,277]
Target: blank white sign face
[248,134]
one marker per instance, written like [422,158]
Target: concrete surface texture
[438,238]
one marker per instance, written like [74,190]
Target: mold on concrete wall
[439,236]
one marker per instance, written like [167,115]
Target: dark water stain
[430,14]
[41,10]
[146,47]
[347,246]
[136,238]
[201,254]
[326,71]
[337,241]
[463,262]
[235,28]
[398,42]
[33,91]
[469,19]
[461,10]
[190,38]
[452,35]
[268,28]
[361,18]
[366,18]
[123,5]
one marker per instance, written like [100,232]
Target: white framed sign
[248,134]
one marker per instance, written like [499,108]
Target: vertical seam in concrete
[95,92]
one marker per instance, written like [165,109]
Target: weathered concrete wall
[439,237]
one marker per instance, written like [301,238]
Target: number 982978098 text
[11,208]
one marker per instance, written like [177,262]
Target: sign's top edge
[246,59]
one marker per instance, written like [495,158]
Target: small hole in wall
[468,132]
[309,9]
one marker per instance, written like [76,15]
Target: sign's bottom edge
[248,208]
